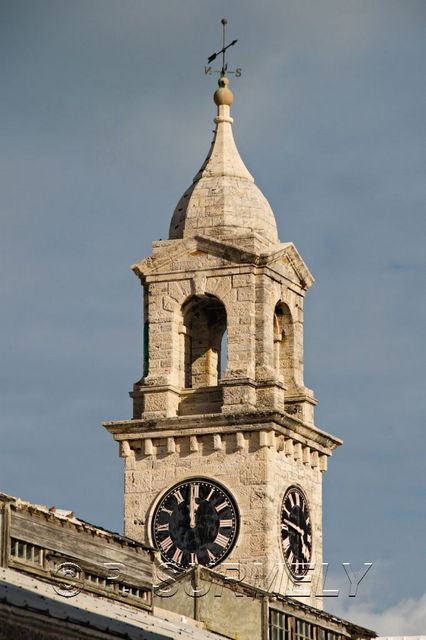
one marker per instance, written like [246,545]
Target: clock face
[296,532]
[196,522]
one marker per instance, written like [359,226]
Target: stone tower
[222,457]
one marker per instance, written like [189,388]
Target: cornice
[205,424]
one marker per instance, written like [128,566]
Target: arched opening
[204,320]
[284,344]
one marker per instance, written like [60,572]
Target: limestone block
[171,445]
[220,287]
[193,444]
[125,450]
[323,463]
[254,473]
[289,447]
[297,451]
[148,447]
[245,294]
[270,397]
[306,456]
[198,284]
[169,304]
[217,442]
[179,290]
[240,441]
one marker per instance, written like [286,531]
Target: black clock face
[196,522]
[296,532]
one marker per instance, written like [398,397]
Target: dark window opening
[205,345]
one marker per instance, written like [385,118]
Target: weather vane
[208,70]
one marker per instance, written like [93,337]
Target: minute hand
[191,507]
[294,526]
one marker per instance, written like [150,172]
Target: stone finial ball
[223,95]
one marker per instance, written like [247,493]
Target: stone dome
[223,200]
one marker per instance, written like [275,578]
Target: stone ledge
[201,424]
[150,445]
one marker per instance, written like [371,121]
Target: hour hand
[192,507]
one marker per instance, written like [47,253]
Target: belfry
[223,460]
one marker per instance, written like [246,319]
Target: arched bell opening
[284,348]
[204,352]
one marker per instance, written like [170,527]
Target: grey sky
[106,115]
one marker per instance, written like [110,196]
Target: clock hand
[305,552]
[191,507]
[294,526]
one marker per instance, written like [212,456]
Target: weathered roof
[69,516]
[19,593]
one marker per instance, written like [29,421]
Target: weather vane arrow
[224,70]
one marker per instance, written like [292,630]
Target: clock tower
[222,457]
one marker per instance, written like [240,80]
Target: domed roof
[223,200]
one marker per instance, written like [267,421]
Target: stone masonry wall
[255,466]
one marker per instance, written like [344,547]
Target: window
[278,625]
[117,587]
[95,579]
[25,551]
[204,321]
[304,630]
[284,627]
[136,592]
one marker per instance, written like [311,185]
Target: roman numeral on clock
[221,506]
[178,496]
[163,527]
[225,523]
[221,540]
[177,556]
[166,543]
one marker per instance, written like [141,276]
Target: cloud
[407,617]
[375,606]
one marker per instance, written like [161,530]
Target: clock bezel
[175,485]
[297,577]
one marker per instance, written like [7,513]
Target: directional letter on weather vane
[208,70]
